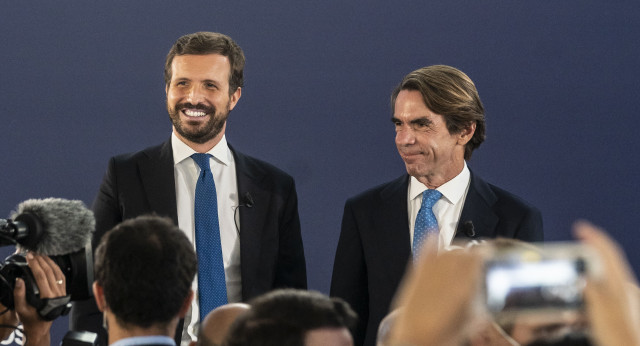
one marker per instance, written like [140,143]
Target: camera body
[537,280]
[77,268]
[60,229]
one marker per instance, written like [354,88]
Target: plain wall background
[82,81]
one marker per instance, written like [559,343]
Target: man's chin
[198,130]
[415,170]
[198,137]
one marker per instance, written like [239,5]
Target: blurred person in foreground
[216,325]
[290,317]
[489,334]
[435,304]
[144,268]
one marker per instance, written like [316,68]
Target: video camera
[60,229]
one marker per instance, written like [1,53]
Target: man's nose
[195,95]
[405,136]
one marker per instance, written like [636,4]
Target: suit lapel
[250,179]
[157,178]
[392,228]
[478,208]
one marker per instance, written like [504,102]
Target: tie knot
[202,160]
[430,197]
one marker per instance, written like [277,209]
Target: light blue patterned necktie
[212,288]
[426,222]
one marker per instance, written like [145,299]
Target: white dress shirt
[447,209]
[186,173]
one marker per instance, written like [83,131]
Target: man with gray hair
[439,121]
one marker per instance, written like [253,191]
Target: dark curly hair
[146,266]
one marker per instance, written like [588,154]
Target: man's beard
[203,132]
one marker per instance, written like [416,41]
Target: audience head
[144,268]
[290,317]
[216,325]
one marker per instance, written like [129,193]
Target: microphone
[51,226]
[60,229]
[247,200]
[468,229]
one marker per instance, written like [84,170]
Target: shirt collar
[181,151]
[145,340]
[453,190]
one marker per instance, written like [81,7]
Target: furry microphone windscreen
[67,225]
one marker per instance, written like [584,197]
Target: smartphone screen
[514,285]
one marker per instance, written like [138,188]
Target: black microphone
[51,226]
[468,229]
[24,229]
[247,200]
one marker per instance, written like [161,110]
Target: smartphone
[535,279]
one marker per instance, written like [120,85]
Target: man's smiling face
[198,98]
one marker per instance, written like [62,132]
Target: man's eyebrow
[422,120]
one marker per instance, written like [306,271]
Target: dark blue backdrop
[82,81]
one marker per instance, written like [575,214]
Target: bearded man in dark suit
[439,121]
[255,203]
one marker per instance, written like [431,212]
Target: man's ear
[186,304]
[98,294]
[234,98]
[467,133]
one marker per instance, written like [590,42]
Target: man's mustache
[199,106]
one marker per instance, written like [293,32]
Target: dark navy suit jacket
[375,246]
[271,251]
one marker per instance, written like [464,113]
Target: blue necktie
[212,289]
[426,222]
